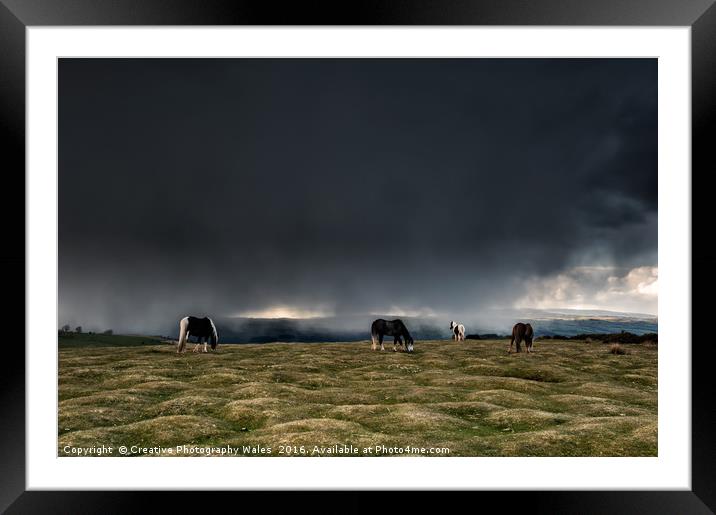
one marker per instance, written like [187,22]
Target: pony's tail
[215,336]
[182,334]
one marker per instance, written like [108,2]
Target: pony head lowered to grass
[458,331]
[521,332]
[395,328]
[201,328]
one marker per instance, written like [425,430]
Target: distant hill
[565,322]
[355,328]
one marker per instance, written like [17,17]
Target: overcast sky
[311,187]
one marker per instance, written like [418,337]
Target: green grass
[568,398]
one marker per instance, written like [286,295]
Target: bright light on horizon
[596,288]
[400,312]
[286,312]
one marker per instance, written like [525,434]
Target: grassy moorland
[568,398]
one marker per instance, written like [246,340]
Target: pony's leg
[380,337]
[373,345]
[509,349]
[205,350]
[519,340]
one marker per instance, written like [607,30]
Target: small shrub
[615,348]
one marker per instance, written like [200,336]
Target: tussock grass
[615,348]
[568,398]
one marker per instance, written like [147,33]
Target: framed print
[438,246]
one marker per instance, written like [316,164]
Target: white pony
[458,331]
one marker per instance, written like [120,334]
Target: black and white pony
[201,328]
[395,328]
[458,331]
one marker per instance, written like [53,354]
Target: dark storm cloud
[221,186]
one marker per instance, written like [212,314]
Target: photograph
[357,257]
[438,243]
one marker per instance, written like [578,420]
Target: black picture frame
[16,15]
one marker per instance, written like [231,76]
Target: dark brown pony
[395,328]
[521,332]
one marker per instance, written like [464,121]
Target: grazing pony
[395,328]
[519,332]
[458,331]
[202,328]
